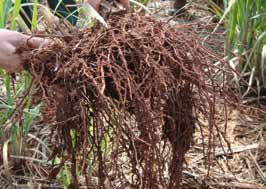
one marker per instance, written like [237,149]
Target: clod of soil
[130,96]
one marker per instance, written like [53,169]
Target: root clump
[126,99]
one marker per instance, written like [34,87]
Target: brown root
[127,99]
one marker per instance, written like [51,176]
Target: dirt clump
[125,99]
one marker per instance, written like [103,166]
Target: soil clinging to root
[126,99]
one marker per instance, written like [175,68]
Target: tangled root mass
[130,96]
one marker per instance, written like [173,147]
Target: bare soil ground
[240,166]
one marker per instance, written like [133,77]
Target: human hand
[9,42]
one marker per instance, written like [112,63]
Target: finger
[11,64]
[8,60]
[13,37]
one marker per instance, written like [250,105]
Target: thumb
[36,42]
[16,39]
